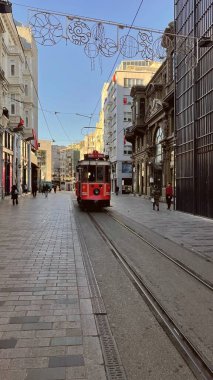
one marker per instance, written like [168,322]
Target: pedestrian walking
[55,188]
[169,195]
[34,190]
[14,194]
[156,197]
[116,190]
[46,190]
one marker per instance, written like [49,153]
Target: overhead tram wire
[36,91]
[65,132]
[86,18]
[138,10]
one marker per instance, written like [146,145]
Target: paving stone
[67,341]
[76,373]
[37,326]
[36,342]
[23,363]
[23,320]
[46,374]
[48,351]
[67,301]
[2,303]
[20,289]
[66,361]
[12,375]
[8,343]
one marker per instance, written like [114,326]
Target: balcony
[28,134]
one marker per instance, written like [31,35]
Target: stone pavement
[192,232]
[47,328]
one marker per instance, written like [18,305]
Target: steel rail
[184,267]
[199,365]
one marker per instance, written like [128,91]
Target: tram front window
[91,173]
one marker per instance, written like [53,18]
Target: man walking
[169,195]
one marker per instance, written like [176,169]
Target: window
[27,119]
[13,104]
[26,89]
[12,69]
[129,82]
[128,150]
[126,167]
[127,116]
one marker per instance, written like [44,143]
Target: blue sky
[67,82]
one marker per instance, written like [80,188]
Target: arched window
[159,150]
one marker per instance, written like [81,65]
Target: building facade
[69,157]
[152,130]
[194,106]
[118,116]
[45,161]
[18,139]
[56,169]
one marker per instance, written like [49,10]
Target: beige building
[69,157]
[118,116]
[45,160]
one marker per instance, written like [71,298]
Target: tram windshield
[93,173]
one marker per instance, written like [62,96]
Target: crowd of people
[45,189]
[155,193]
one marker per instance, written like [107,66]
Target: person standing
[156,196]
[46,190]
[169,195]
[116,190]
[14,194]
[55,188]
[34,189]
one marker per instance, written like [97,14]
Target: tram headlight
[96,191]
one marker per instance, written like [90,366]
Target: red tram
[93,180]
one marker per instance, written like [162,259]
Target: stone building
[152,130]
[18,105]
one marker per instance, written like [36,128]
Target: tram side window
[84,177]
[100,173]
[107,174]
[91,173]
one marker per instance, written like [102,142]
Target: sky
[70,83]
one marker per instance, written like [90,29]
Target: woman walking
[14,194]
[169,195]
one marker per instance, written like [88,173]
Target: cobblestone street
[47,329]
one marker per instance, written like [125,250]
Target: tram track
[176,262]
[199,364]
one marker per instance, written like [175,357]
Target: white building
[18,99]
[56,163]
[118,116]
